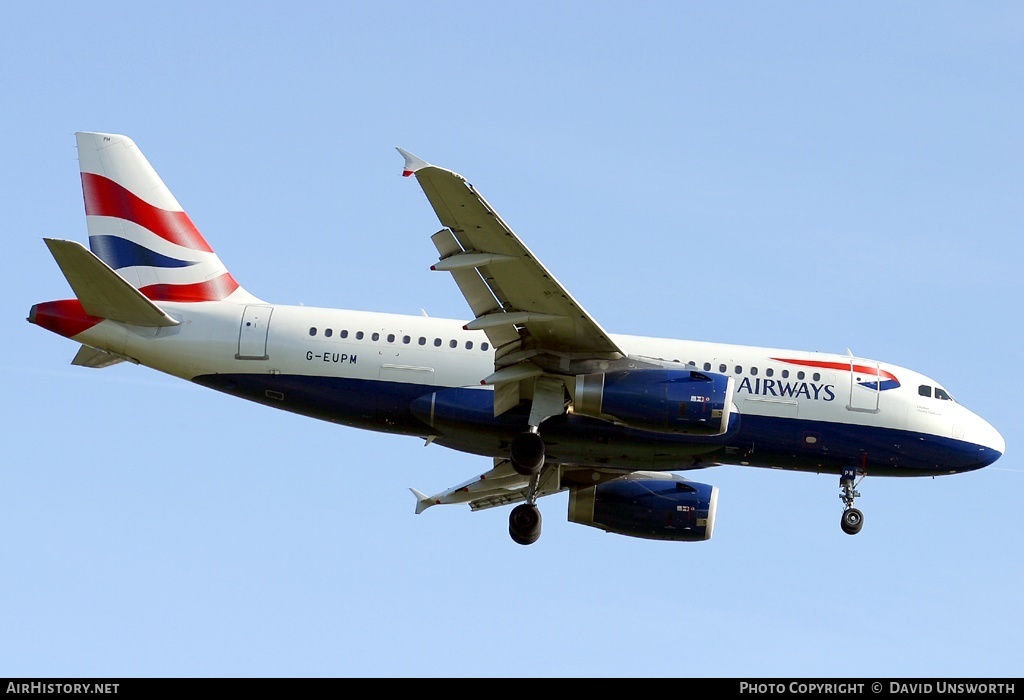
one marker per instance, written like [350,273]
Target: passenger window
[391,337]
[799,375]
[422,340]
[484,346]
[817,377]
[924,390]
[785,374]
[453,343]
[707,366]
[328,332]
[406,339]
[753,371]
[739,370]
[312,331]
[769,372]
[469,344]
[344,334]
[359,335]
[375,336]
[437,342]
[722,368]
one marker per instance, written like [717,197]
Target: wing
[498,487]
[538,330]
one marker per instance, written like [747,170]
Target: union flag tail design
[137,227]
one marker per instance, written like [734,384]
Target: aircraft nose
[990,441]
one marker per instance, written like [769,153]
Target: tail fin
[137,227]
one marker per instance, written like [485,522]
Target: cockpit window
[940,393]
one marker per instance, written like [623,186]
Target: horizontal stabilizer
[103,292]
[96,359]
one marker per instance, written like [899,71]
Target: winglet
[412,163]
[423,501]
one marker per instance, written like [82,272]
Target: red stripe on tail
[104,197]
[65,317]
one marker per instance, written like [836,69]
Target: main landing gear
[527,454]
[852,520]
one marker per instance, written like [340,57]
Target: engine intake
[665,400]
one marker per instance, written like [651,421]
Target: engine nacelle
[650,505]
[684,401]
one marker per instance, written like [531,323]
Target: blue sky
[816,176]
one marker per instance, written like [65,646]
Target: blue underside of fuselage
[462,419]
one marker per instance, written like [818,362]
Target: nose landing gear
[852,520]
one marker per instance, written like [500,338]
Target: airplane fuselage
[420,376]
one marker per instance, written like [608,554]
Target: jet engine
[649,505]
[683,401]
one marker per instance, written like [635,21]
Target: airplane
[531,381]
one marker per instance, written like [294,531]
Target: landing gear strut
[852,520]
[527,455]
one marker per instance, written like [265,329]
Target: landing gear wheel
[524,523]
[527,453]
[852,522]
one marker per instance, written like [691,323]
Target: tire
[852,522]
[527,453]
[524,523]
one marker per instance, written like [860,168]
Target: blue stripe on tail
[118,252]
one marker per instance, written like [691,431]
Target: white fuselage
[408,356]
